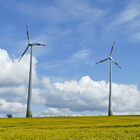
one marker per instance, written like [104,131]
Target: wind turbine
[110,111]
[29,102]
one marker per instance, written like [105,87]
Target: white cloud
[6,91]
[62,11]
[13,73]
[81,9]
[14,108]
[135,37]
[13,81]
[72,97]
[77,96]
[56,112]
[78,18]
[88,95]
[82,56]
[130,13]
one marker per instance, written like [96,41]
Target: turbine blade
[24,52]
[102,60]
[27,33]
[38,44]
[112,48]
[116,63]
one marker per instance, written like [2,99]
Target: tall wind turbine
[110,111]
[29,102]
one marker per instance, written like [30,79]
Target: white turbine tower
[29,102]
[110,111]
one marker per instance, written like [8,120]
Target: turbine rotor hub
[30,44]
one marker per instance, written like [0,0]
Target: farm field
[71,128]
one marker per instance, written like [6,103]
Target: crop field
[71,128]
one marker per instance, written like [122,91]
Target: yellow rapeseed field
[71,128]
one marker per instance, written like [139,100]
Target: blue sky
[77,34]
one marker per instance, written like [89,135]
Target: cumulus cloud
[13,81]
[77,96]
[72,97]
[56,112]
[14,77]
[13,73]
[88,95]
[14,108]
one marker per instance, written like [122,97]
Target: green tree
[9,116]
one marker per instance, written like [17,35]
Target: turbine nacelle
[38,44]
[30,44]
